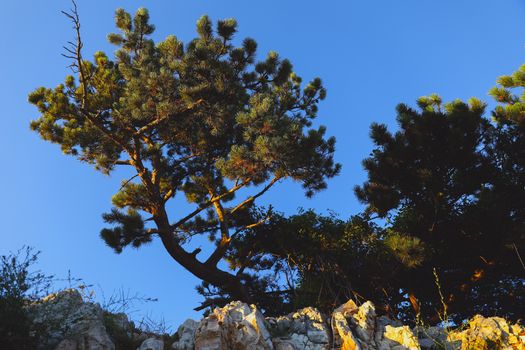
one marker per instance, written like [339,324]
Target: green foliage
[452,182]
[19,286]
[426,162]
[508,149]
[512,106]
[129,231]
[201,120]
[410,251]
[206,121]
[316,260]
[22,288]
[121,337]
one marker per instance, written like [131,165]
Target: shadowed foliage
[450,179]
[20,285]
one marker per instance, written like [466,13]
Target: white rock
[485,332]
[95,338]
[73,324]
[343,337]
[235,326]
[400,336]
[186,335]
[70,323]
[432,338]
[303,329]
[152,344]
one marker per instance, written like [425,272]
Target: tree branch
[254,197]
[209,203]
[76,55]
[224,244]
[225,241]
[125,183]
[157,121]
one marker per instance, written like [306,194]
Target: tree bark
[208,273]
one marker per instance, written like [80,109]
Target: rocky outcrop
[70,323]
[152,344]
[235,326]
[489,333]
[358,328]
[350,327]
[186,335]
[304,329]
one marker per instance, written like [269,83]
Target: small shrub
[19,286]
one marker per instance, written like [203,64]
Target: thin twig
[518,254]
[125,183]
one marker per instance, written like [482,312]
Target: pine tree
[508,148]
[446,179]
[202,120]
[320,260]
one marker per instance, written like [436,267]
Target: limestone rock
[358,328]
[94,338]
[152,344]
[391,335]
[489,333]
[342,333]
[399,338]
[186,335]
[353,327]
[235,326]
[363,323]
[70,323]
[121,321]
[304,329]
[430,338]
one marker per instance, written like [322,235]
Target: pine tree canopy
[454,180]
[426,163]
[202,120]
[208,122]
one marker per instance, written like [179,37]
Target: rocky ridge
[73,324]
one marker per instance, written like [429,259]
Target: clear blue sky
[370,54]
